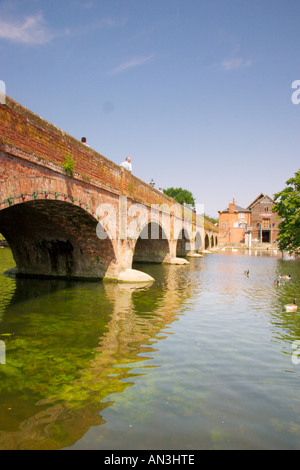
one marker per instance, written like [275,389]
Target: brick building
[257,221]
[264,222]
[233,223]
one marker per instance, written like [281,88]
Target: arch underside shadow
[198,242]
[183,244]
[152,246]
[55,239]
[206,242]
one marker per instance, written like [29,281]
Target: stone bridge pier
[90,223]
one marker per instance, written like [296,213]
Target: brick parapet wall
[26,135]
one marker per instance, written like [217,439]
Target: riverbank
[256,248]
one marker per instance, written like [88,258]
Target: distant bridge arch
[152,245]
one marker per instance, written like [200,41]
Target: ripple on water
[199,360]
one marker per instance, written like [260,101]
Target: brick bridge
[92,223]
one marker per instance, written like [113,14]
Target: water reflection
[69,345]
[74,350]
[286,324]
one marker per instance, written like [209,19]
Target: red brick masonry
[50,218]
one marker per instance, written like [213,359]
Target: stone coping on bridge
[26,135]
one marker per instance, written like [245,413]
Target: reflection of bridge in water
[76,226]
[68,409]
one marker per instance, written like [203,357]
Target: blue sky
[197,92]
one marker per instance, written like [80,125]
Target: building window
[241,215]
[266,223]
[266,209]
[236,225]
[224,225]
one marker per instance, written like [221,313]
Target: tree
[287,204]
[180,195]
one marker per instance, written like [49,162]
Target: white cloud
[235,63]
[32,30]
[134,62]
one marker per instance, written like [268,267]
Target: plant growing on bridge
[69,165]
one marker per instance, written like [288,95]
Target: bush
[69,165]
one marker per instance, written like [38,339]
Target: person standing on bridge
[127,164]
[83,141]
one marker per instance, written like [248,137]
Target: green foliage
[212,220]
[180,195]
[287,204]
[69,165]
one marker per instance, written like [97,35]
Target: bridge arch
[198,241]
[55,238]
[183,243]
[152,245]
[206,241]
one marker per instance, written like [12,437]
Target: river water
[201,359]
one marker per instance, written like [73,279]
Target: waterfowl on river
[285,276]
[246,272]
[277,282]
[291,307]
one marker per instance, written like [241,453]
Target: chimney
[232,206]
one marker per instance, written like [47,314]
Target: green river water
[201,359]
